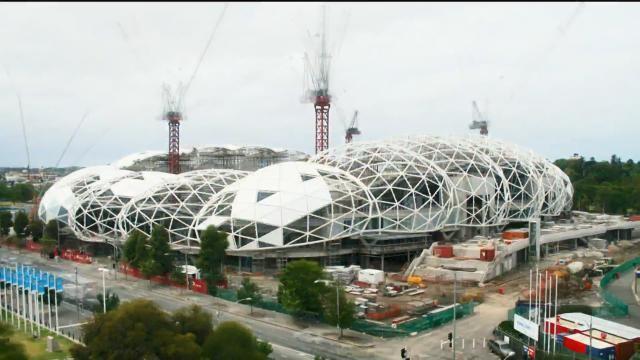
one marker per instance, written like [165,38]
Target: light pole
[455,280]
[250,303]
[327,282]
[104,291]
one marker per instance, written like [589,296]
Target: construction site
[412,228]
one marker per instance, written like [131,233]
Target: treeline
[16,193]
[611,186]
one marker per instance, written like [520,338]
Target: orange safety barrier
[393,311]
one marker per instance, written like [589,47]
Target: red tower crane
[317,92]
[173,115]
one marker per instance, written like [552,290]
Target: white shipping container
[371,276]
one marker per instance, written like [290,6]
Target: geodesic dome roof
[288,204]
[61,197]
[410,193]
[175,203]
[521,171]
[480,190]
[96,213]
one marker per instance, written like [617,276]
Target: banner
[52,281]
[41,287]
[2,275]
[59,287]
[525,326]
[14,277]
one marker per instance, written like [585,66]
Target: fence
[374,328]
[616,306]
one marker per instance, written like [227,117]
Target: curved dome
[288,204]
[410,193]
[481,192]
[175,203]
[96,212]
[520,170]
[61,197]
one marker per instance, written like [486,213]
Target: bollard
[484,342]
[474,343]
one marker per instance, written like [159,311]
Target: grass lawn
[37,348]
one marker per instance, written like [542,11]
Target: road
[621,288]
[289,340]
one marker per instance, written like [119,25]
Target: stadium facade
[360,198]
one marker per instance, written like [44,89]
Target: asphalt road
[287,343]
[621,288]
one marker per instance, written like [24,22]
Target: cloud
[408,68]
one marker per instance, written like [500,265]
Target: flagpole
[55,298]
[11,294]
[4,304]
[49,300]
[555,323]
[24,303]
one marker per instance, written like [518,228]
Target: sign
[526,327]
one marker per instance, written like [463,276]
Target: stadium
[389,198]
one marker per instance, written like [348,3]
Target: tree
[231,340]
[297,291]
[137,330]
[36,229]
[8,349]
[20,223]
[113,301]
[195,320]
[160,251]
[213,245]
[5,222]
[141,253]
[135,242]
[251,290]
[265,348]
[51,230]
[22,192]
[345,313]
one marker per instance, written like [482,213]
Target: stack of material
[344,275]
[371,276]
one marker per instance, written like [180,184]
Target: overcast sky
[557,78]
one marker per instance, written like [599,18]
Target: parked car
[501,349]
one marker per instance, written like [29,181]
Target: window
[264,194]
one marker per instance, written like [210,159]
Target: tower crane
[352,129]
[479,121]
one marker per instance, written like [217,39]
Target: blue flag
[59,287]
[20,276]
[14,277]
[41,287]
[26,282]
[52,281]
[2,278]
[34,283]
[8,276]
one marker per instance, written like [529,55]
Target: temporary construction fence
[423,323]
[617,307]
[375,328]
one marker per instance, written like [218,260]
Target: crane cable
[204,52]
[73,135]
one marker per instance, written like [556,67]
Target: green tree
[251,290]
[20,223]
[135,241]
[22,192]
[6,222]
[265,348]
[195,320]
[8,349]
[141,253]
[51,230]
[343,316]
[36,229]
[213,245]
[231,341]
[160,251]
[137,330]
[297,291]
[113,301]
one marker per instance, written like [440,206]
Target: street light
[250,303]
[327,282]
[104,291]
